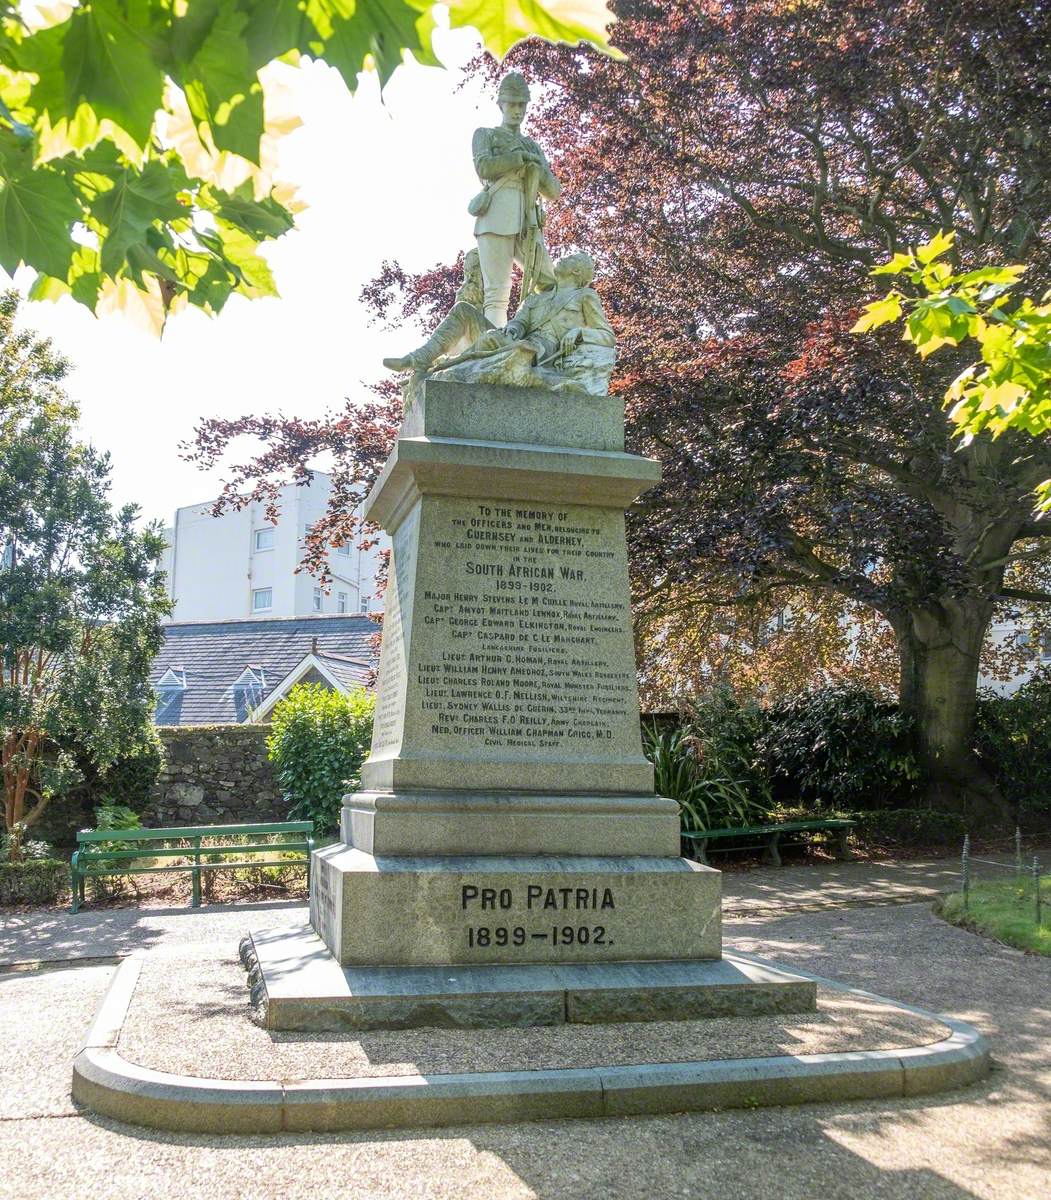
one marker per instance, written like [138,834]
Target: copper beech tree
[737,176]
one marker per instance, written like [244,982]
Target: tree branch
[1024,594]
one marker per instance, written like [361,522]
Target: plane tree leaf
[135,135]
[1009,388]
[37,210]
[503,23]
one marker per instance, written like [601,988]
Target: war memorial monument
[507,861]
[506,864]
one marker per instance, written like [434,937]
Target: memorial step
[297,985]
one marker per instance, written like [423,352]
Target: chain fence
[1026,871]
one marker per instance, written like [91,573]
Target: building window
[364,604]
[262,599]
[344,549]
[247,691]
[317,599]
[341,602]
[170,688]
[264,538]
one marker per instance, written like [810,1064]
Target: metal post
[197,873]
[1036,889]
[965,866]
[1018,852]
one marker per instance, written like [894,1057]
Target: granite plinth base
[395,910]
[462,822]
[297,985]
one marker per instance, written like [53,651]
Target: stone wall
[214,775]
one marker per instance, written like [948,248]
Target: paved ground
[192,1022]
[992,1141]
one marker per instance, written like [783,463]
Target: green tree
[318,741]
[135,134]
[1010,387]
[81,594]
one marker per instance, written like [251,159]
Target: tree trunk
[939,647]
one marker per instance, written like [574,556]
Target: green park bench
[98,853]
[697,840]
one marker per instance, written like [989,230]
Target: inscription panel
[397,627]
[524,632]
[534,916]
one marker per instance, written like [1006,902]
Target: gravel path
[195,1022]
[992,1141]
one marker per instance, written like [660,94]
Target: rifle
[531,222]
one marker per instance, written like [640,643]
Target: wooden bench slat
[183,851]
[88,873]
[191,831]
[771,835]
[778,827]
[92,860]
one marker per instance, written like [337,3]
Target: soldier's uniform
[509,225]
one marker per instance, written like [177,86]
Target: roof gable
[230,668]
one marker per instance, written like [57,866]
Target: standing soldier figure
[509,217]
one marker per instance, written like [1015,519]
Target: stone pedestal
[507,795]
[507,817]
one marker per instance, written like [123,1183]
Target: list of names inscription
[528,628]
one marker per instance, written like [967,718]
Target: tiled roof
[350,672]
[215,656]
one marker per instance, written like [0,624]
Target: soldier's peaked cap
[513,87]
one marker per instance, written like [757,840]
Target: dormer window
[170,689]
[247,690]
[251,677]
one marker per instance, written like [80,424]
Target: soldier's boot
[407,362]
[456,327]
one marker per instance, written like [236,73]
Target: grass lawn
[1004,909]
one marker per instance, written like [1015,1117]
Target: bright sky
[386,178]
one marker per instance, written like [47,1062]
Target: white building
[240,565]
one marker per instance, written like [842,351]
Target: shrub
[317,743]
[130,780]
[910,827]
[709,765]
[28,847]
[729,734]
[1013,735]
[113,817]
[32,881]
[841,747]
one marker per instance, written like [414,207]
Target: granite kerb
[105,1082]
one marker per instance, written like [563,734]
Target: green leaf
[352,30]
[46,287]
[938,245]
[260,218]
[37,210]
[899,263]
[879,312]
[107,57]
[273,28]
[130,207]
[1006,275]
[240,253]
[222,90]
[503,23]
